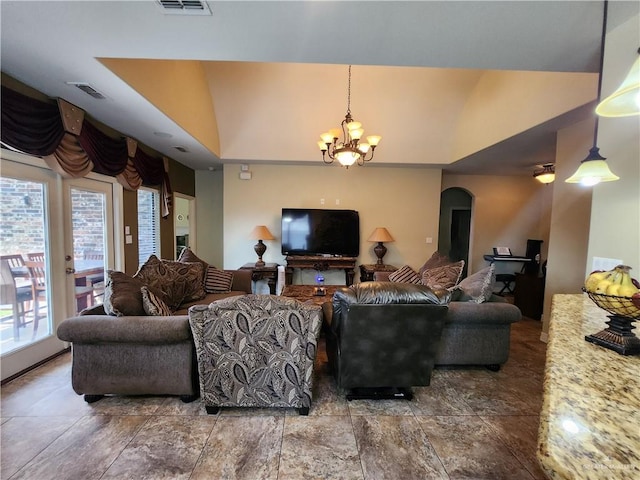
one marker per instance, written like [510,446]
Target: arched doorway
[454,238]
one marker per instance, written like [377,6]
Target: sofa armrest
[241,280]
[131,329]
[483,313]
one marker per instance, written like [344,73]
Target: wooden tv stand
[320,263]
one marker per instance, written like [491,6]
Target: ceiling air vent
[184,7]
[88,89]
[180,148]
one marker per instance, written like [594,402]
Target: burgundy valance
[37,128]
[30,125]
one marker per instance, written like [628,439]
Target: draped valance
[72,146]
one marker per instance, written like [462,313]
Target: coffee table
[304,293]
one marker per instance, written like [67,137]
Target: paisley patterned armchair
[256,351]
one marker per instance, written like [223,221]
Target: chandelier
[348,149]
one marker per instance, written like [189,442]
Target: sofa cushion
[478,287]
[218,281]
[122,295]
[405,274]
[153,304]
[436,260]
[446,276]
[180,282]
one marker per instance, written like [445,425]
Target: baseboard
[544,337]
[34,366]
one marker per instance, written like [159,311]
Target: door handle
[70,271]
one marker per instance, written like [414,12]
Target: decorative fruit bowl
[621,306]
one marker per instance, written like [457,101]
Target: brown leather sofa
[382,338]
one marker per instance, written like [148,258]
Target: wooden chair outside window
[15,289]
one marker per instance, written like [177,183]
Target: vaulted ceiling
[471,87]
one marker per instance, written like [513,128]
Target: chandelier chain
[349,93]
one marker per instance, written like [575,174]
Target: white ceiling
[46,44]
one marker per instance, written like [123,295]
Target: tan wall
[570,217]
[615,213]
[209,201]
[405,200]
[498,107]
[506,211]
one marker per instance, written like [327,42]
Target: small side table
[367,271]
[268,272]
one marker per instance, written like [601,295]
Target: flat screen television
[312,231]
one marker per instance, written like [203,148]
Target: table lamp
[260,233]
[380,235]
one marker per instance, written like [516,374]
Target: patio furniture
[15,289]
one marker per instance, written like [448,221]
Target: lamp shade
[592,172]
[625,101]
[261,232]
[546,175]
[380,234]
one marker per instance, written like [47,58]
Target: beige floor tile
[520,434]
[85,450]
[166,448]
[469,449]
[395,447]
[23,438]
[322,448]
[242,448]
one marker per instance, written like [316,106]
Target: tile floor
[469,423]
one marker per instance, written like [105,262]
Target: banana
[592,280]
[627,288]
[603,285]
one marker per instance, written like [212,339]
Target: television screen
[310,231]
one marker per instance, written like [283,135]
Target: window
[148,224]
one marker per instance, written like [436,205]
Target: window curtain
[73,146]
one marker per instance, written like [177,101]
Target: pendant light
[594,169]
[625,101]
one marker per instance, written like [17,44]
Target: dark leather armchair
[382,337]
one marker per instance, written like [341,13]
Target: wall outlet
[337,201]
[322,201]
[429,239]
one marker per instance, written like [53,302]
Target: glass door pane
[89,238]
[25,307]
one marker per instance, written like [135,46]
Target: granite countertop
[590,419]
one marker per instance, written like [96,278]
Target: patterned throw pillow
[444,277]
[122,295]
[180,282]
[436,260]
[405,274]
[479,286]
[187,256]
[218,281]
[153,304]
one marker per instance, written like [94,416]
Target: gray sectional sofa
[138,354]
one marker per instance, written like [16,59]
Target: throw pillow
[479,286]
[446,276]
[180,282]
[122,294]
[187,256]
[218,281]
[405,274]
[436,260]
[153,304]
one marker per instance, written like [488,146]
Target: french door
[63,232]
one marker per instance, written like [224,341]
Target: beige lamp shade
[261,232]
[380,234]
